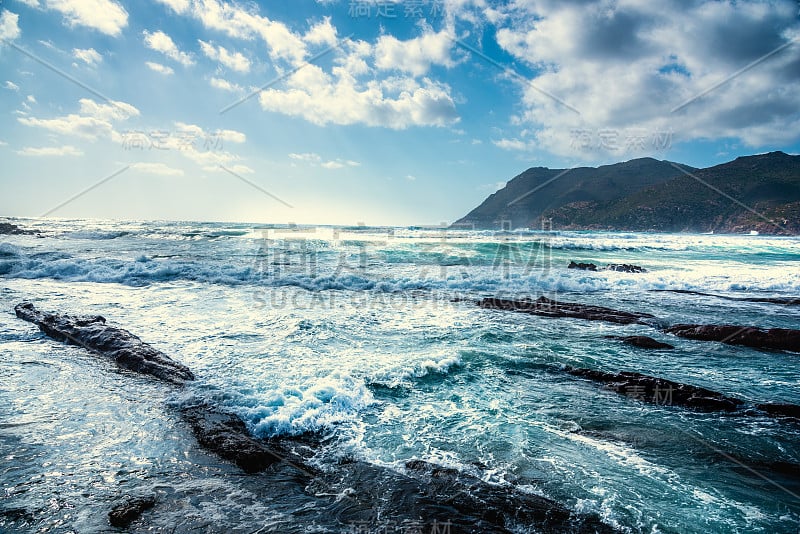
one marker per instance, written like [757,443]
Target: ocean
[371,338]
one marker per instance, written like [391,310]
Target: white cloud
[161,42]
[157,168]
[225,85]
[11,86]
[178,6]
[626,66]
[315,159]
[90,56]
[322,33]
[30,3]
[94,122]
[414,55]
[158,67]
[105,16]
[233,60]
[513,144]
[31,99]
[9,25]
[66,150]
[411,178]
[237,169]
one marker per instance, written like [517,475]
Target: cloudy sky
[381,112]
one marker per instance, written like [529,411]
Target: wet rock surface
[625,268]
[660,391]
[13,229]
[582,266]
[785,301]
[546,307]
[92,333]
[643,342]
[748,336]
[129,511]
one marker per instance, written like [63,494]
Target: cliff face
[759,193]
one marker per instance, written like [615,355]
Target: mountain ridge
[751,193]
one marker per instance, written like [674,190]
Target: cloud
[513,144]
[94,122]
[31,99]
[11,86]
[315,159]
[90,56]
[415,55]
[236,169]
[233,60]
[178,6]
[322,33]
[225,85]
[161,42]
[105,16]
[158,67]
[66,150]
[157,168]
[626,66]
[9,25]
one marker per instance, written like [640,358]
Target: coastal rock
[625,268]
[13,229]
[92,333]
[582,266]
[643,342]
[129,511]
[784,301]
[546,307]
[748,336]
[787,410]
[660,391]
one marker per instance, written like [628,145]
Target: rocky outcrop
[546,307]
[784,301]
[92,333]
[748,336]
[129,511]
[660,391]
[582,266]
[625,268]
[13,229]
[643,342]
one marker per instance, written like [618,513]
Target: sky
[372,112]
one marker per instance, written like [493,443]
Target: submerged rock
[582,266]
[129,511]
[92,333]
[546,307]
[748,336]
[13,229]
[226,435]
[660,391]
[625,268]
[643,342]
[785,301]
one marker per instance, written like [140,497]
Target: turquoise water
[359,333]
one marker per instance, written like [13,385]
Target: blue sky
[380,112]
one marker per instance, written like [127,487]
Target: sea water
[370,336]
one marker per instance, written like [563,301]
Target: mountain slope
[760,192]
[528,196]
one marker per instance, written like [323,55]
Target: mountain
[760,193]
[527,197]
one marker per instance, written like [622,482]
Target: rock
[625,268]
[226,435]
[660,391]
[784,301]
[780,410]
[13,229]
[92,333]
[546,307]
[582,266]
[643,342]
[748,336]
[129,511]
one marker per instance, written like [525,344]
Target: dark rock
[13,229]
[780,410]
[660,391]
[129,511]
[582,266]
[226,435]
[643,342]
[546,307]
[625,268]
[785,301]
[748,336]
[92,333]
